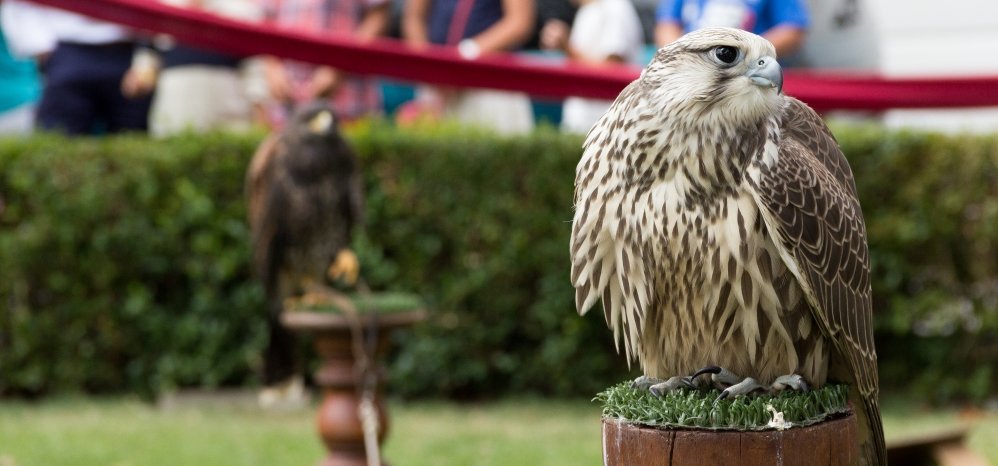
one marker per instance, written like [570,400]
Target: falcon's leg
[345,267]
[733,385]
[314,294]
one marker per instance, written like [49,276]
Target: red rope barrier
[822,90]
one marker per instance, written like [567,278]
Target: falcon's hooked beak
[766,72]
[321,122]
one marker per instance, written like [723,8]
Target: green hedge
[931,206]
[125,262]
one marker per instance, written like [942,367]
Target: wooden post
[829,443]
[337,420]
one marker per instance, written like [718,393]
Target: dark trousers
[82,91]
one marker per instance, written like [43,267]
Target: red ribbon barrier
[437,65]
[828,90]
[822,90]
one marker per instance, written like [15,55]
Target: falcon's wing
[608,260]
[809,203]
[260,195]
[807,128]
[354,191]
[258,176]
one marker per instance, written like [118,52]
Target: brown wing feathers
[811,195]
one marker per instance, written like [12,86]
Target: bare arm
[375,22]
[786,38]
[667,32]
[512,30]
[327,80]
[414,19]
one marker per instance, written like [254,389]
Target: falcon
[717,221]
[305,197]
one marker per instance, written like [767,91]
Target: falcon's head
[313,143]
[314,119]
[717,74]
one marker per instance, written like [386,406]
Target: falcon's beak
[766,72]
[321,122]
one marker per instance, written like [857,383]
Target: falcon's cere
[718,222]
[305,196]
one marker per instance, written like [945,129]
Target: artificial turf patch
[689,408]
[382,303]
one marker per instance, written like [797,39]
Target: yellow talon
[346,267]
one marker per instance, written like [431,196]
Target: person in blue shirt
[782,22]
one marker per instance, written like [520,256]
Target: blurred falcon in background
[718,222]
[305,196]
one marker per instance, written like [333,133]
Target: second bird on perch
[305,194]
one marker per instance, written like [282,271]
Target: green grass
[131,433]
[123,432]
[698,408]
[500,434]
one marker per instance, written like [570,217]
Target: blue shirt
[19,82]
[757,16]
[484,13]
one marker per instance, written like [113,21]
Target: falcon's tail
[279,360]
[873,450]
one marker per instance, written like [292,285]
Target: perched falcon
[718,222]
[305,196]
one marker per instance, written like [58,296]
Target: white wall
[950,37]
[842,35]
[901,38]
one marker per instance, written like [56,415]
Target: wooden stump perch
[829,443]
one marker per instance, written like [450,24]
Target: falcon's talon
[707,370]
[311,298]
[674,383]
[746,386]
[792,381]
[719,376]
[345,267]
[644,382]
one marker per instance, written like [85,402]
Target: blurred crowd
[61,71]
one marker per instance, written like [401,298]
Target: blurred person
[83,63]
[292,83]
[19,91]
[783,22]
[475,28]
[605,32]
[196,88]
[547,11]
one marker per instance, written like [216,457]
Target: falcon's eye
[726,54]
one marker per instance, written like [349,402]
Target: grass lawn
[124,432]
